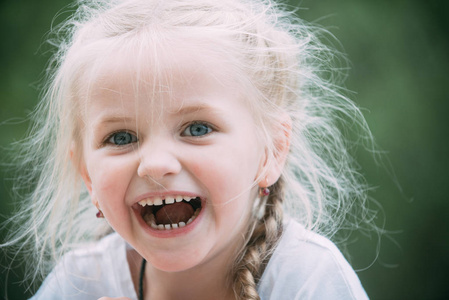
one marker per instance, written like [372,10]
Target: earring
[100,214]
[264,191]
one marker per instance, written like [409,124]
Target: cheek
[110,181]
[227,174]
[110,177]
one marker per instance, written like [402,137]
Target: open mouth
[170,212]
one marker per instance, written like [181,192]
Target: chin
[174,263]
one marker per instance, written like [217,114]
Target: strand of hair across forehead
[261,243]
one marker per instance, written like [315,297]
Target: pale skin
[222,161]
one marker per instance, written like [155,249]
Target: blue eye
[197,129]
[122,138]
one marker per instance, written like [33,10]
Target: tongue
[174,213]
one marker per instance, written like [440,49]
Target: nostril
[155,165]
[156,170]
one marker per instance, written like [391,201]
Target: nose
[158,161]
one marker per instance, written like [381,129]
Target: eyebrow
[194,108]
[183,110]
[113,119]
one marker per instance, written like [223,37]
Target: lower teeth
[151,221]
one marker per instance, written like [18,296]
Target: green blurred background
[399,55]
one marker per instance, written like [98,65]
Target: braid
[262,238]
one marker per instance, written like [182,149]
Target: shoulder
[306,265]
[89,271]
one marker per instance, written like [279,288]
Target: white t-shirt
[303,266]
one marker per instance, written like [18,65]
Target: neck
[198,283]
[206,281]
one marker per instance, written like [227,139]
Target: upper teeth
[167,199]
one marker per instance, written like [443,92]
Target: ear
[85,175]
[275,162]
[82,169]
[80,166]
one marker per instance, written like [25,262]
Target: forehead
[160,62]
[161,68]
[164,75]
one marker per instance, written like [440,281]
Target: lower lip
[171,232]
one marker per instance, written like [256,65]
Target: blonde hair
[277,55]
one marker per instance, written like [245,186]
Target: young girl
[204,135]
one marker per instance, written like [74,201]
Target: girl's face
[198,140]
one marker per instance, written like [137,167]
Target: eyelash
[209,129]
[108,140]
[185,132]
